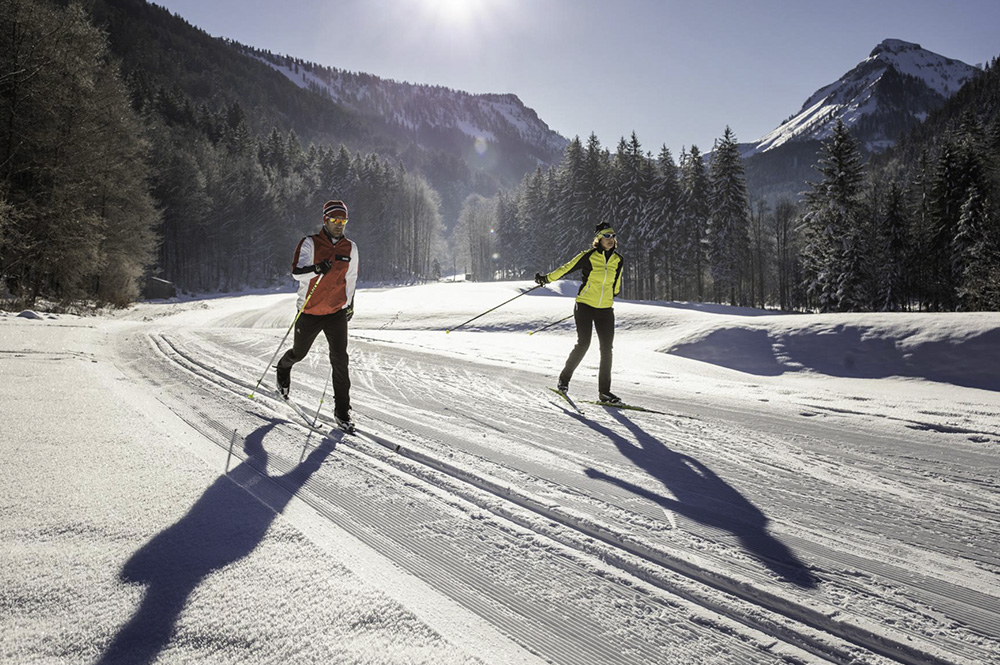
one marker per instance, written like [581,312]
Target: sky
[675,72]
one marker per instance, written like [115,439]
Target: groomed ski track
[601,566]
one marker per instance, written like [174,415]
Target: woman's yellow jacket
[602,276]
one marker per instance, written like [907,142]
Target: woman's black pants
[587,319]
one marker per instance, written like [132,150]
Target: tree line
[235,205]
[76,213]
[102,183]
[686,226]
[889,235]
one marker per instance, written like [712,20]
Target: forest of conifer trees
[899,234]
[103,183]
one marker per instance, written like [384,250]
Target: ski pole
[551,324]
[491,309]
[282,342]
[315,418]
[322,398]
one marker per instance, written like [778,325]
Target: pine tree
[597,164]
[895,247]
[531,209]
[573,198]
[948,190]
[631,181]
[693,222]
[661,225]
[833,255]
[963,169]
[550,196]
[729,222]
[510,237]
[918,259]
[646,233]
[785,218]
[761,254]
[72,162]
[976,255]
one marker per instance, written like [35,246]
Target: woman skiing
[602,281]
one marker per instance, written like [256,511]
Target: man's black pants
[588,318]
[334,326]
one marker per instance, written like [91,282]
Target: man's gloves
[540,279]
[350,311]
[323,266]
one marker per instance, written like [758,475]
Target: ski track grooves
[449,570]
[622,554]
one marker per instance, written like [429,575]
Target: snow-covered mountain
[891,90]
[431,114]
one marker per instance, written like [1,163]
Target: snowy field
[814,488]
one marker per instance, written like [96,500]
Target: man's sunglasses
[607,235]
[337,220]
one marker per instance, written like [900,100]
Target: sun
[449,8]
[454,12]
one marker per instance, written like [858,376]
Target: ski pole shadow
[702,496]
[225,525]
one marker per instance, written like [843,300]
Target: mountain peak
[894,46]
[431,114]
[888,92]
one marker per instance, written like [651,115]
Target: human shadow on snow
[701,496]
[225,525]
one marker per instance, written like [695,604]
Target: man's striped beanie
[334,209]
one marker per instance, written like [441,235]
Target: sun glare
[454,12]
[450,9]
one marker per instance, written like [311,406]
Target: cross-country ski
[567,400]
[623,405]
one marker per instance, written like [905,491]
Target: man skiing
[326,264]
[594,309]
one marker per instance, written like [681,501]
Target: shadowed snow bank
[957,349]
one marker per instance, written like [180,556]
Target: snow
[818,487]
[851,98]
[943,75]
[503,110]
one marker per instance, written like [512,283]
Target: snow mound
[960,349]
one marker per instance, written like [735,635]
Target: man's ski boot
[609,398]
[344,421]
[283,377]
[563,388]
